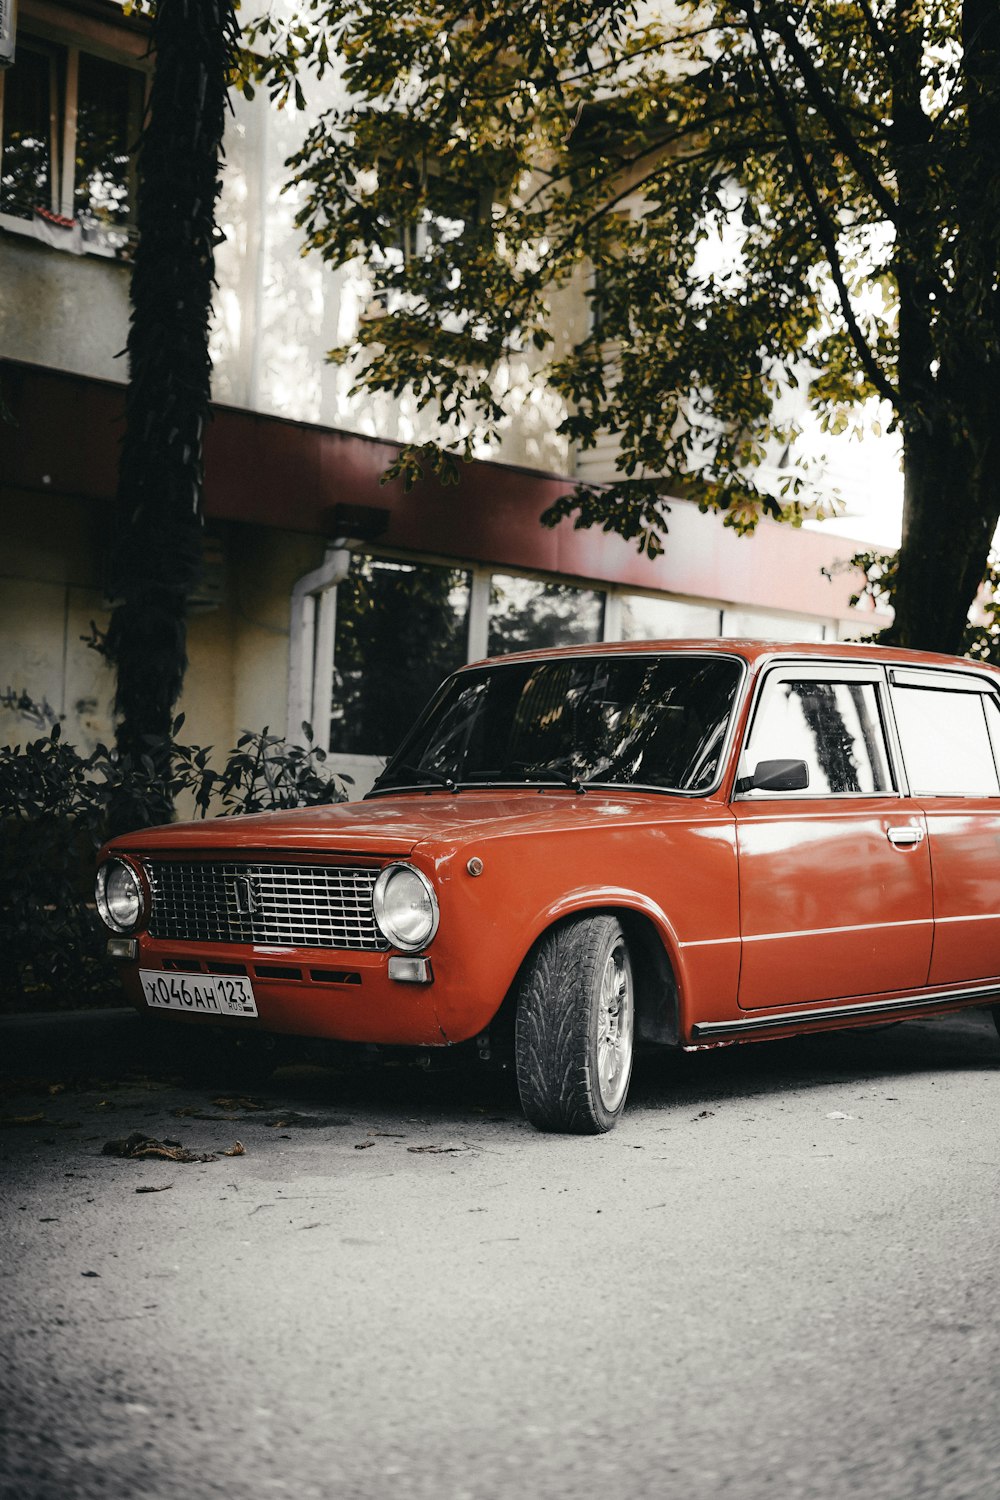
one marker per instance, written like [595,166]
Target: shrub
[55,811]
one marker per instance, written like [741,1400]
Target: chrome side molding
[941,999]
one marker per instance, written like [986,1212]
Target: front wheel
[575,1026]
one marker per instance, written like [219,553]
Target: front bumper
[340,996]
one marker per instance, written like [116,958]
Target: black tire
[575,1026]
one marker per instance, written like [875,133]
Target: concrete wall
[50,592]
[69,312]
[277,313]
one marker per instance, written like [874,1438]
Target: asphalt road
[777,1278]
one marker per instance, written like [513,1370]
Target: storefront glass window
[401,628]
[647,619]
[758,625]
[527,614]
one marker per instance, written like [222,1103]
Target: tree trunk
[950,512]
[157,555]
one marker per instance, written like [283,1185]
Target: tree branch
[875,31]
[824,224]
[832,114]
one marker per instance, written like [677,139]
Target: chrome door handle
[905,837]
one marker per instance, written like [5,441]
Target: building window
[526,614]
[400,629]
[434,213]
[758,624]
[69,123]
[645,618]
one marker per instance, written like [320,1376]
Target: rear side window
[947,738]
[835,727]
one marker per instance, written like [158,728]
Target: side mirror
[776,776]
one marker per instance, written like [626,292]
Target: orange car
[692,843]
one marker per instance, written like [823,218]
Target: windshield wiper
[549,773]
[426,774]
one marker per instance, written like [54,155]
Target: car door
[834,878]
[949,732]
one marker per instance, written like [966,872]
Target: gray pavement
[777,1278]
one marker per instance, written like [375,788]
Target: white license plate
[198,994]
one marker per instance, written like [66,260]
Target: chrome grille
[296,906]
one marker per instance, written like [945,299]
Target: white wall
[278,313]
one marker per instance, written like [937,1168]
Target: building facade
[327,596]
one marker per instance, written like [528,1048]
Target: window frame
[410,236]
[849,672]
[46,28]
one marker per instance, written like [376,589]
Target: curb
[74,1040]
[26,1020]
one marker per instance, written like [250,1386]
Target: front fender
[491,920]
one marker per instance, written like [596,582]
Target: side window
[835,727]
[947,742]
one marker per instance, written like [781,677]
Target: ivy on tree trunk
[156,557]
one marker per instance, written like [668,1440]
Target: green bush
[56,807]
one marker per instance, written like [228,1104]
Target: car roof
[751,651]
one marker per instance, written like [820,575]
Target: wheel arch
[657,988]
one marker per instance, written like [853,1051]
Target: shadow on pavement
[110,1049]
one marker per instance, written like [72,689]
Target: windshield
[656,721]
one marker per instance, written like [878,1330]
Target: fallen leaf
[242,1102]
[57,1088]
[24,1120]
[706,1114]
[363,1145]
[96,1274]
[140,1147]
[149,1188]
[236,1149]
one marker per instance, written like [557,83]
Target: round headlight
[119,896]
[406,907]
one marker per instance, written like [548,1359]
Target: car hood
[396,825]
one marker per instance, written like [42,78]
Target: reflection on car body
[683,843]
